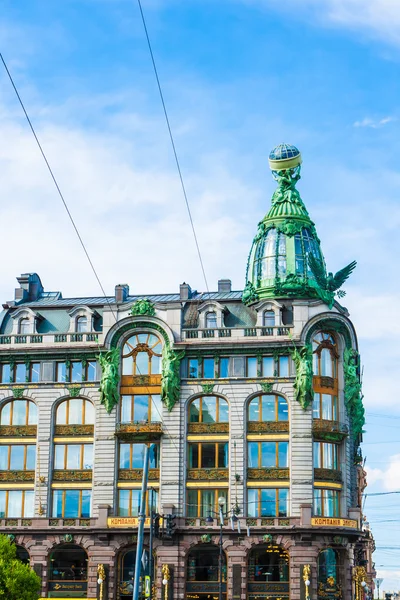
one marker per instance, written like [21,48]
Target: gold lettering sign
[331,522]
[126,522]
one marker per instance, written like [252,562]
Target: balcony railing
[333,475]
[267,473]
[236,332]
[137,474]
[329,431]
[18,430]
[72,475]
[268,427]
[139,430]
[208,428]
[208,474]
[91,337]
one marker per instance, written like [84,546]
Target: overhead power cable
[173,144]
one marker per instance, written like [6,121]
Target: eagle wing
[342,275]
[318,270]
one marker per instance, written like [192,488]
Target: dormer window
[269,318]
[25,326]
[81,324]
[211,320]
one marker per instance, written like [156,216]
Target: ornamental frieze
[17,475]
[328,475]
[267,473]
[137,474]
[330,431]
[132,431]
[72,475]
[208,427]
[268,427]
[73,430]
[207,474]
[18,430]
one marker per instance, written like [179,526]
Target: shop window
[141,408]
[327,565]
[267,454]
[268,502]
[204,502]
[326,503]
[325,455]
[16,503]
[127,573]
[18,457]
[208,455]
[141,355]
[68,568]
[19,412]
[129,502]
[268,407]
[203,565]
[209,409]
[72,504]
[131,456]
[75,411]
[269,564]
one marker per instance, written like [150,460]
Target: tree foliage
[17,580]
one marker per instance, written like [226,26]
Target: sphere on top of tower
[284,156]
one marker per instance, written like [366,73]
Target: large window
[127,573]
[270,563]
[327,565]
[75,411]
[325,455]
[81,324]
[268,407]
[68,563]
[325,406]
[267,502]
[19,412]
[18,457]
[204,502]
[141,408]
[208,455]
[267,454]
[270,253]
[129,502]
[72,504]
[209,409]
[203,565]
[211,320]
[73,456]
[16,503]
[131,456]
[326,503]
[76,371]
[325,355]
[141,355]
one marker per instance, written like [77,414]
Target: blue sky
[239,77]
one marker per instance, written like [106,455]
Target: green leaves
[17,580]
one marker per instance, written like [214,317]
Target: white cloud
[390,477]
[374,124]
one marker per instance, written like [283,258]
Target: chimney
[185,291]
[224,285]
[121,292]
[30,287]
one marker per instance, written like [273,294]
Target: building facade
[250,403]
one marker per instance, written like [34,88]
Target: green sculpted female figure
[303,384]
[109,362]
[171,380]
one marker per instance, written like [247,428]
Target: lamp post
[221,504]
[378,582]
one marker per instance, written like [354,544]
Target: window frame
[28,402]
[150,402]
[138,348]
[68,400]
[258,512]
[25,446]
[334,407]
[63,493]
[259,454]
[214,319]
[23,503]
[210,511]
[66,447]
[131,444]
[200,454]
[260,419]
[217,409]
[324,500]
[148,501]
[319,451]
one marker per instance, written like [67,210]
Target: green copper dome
[279,264]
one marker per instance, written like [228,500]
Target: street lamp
[378,582]
[221,504]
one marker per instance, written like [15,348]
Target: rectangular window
[237,366]
[224,367]
[18,457]
[326,503]
[131,456]
[5,373]
[268,366]
[35,372]
[20,373]
[61,372]
[208,455]
[316,407]
[193,368]
[283,363]
[251,366]
[208,368]
[16,503]
[76,371]
[325,455]
[72,504]
[204,502]
[269,502]
[268,454]
[73,456]
[91,368]
[129,502]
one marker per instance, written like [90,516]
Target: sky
[239,77]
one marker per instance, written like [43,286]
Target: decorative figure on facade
[166,577]
[307,580]
[328,285]
[109,362]
[352,390]
[101,577]
[303,384]
[143,307]
[170,381]
[249,294]
[286,190]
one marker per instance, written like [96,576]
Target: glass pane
[318,503]
[124,456]
[268,408]
[209,409]
[156,408]
[89,413]
[269,318]
[283,455]
[5,373]
[141,408]
[192,503]
[252,503]
[3,458]
[57,503]
[28,504]
[137,456]
[14,503]
[326,363]
[252,367]
[327,407]
[35,372]
[283,503]
[194,411]
[59,457]
[75,412]
[61,371]
[224,367]
[126,409]
[207,503]
[127,366]
[123,503]
[20,373]
[268,503]
[71,504]
[268,366]
[223,455]
[193,456]
[268,454]
[208,368]
[283,409]
[155,365]
[91,371]
[73,456]
[223,411]
[153,456]
[317,455]
[252,455]
[76,371]
[2,504]
[88,456]
[86,502]
[17,457]
[329,505]
[6,414]
[254,410]
[316,407]
[193,368]
[19,412]
[142,363]
[136,495]
[283,366]
[211,320]
[61,417]
[32,413]
[81,324]
[208,458]
[335,408]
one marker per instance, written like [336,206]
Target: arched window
[19,412]
[327,565]
[81,324]
[271,252]
[69,563]
[268,318]
[325,355]
[141,355]
[209,409]
[211,320]
[75,411]
[126,577]
[268,407]
[325,382]
[270,564]
[25,326]
[203,565]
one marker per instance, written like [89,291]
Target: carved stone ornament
[208,427]
[18,392]
[68,538]
[143,307]
[268,427]
[18,430]
[207,387]
[267,474]
[205,539]
[208,474]
[74,390]
[267,538]
[266,386]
